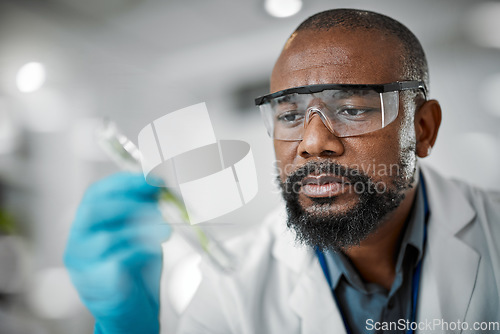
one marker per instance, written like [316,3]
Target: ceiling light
[30,77]
[283,8]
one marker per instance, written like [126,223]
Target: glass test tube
[128,157]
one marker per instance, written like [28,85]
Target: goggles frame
[380,89]
[311,89]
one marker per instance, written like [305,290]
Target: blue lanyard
[416,273]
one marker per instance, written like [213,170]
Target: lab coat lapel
[450,266]
[311,297]
[312,300]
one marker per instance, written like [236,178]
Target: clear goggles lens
[344,112]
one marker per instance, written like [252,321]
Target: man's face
[339,190]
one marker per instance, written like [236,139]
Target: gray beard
[318,227]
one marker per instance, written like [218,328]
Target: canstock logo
[213,177]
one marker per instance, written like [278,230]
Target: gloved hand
[114,254]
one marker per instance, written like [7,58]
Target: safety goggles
[345,110]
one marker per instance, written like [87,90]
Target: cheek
[285,152]
[379,154]
[372,152]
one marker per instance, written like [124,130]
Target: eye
[290,117]
[355,112]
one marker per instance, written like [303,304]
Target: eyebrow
[284,99]
[342,94]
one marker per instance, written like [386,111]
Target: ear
[427,122]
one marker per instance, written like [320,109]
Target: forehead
[338,56]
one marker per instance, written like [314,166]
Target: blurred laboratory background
[66,64]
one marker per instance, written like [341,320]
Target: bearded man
[369,239]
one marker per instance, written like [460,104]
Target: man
[387,245]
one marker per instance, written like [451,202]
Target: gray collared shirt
[362,302]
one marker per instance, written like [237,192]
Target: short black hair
[414,60]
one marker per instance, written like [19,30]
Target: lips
[324,185]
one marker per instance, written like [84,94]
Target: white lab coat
[281,288]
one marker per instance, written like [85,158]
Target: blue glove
[114,254]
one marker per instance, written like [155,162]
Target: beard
[318,227]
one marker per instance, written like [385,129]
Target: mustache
[294,180]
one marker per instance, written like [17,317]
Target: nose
[318,140]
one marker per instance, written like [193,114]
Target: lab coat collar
[448,205]
[450,265]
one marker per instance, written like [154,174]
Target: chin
[328,206]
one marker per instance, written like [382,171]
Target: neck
[375,257]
